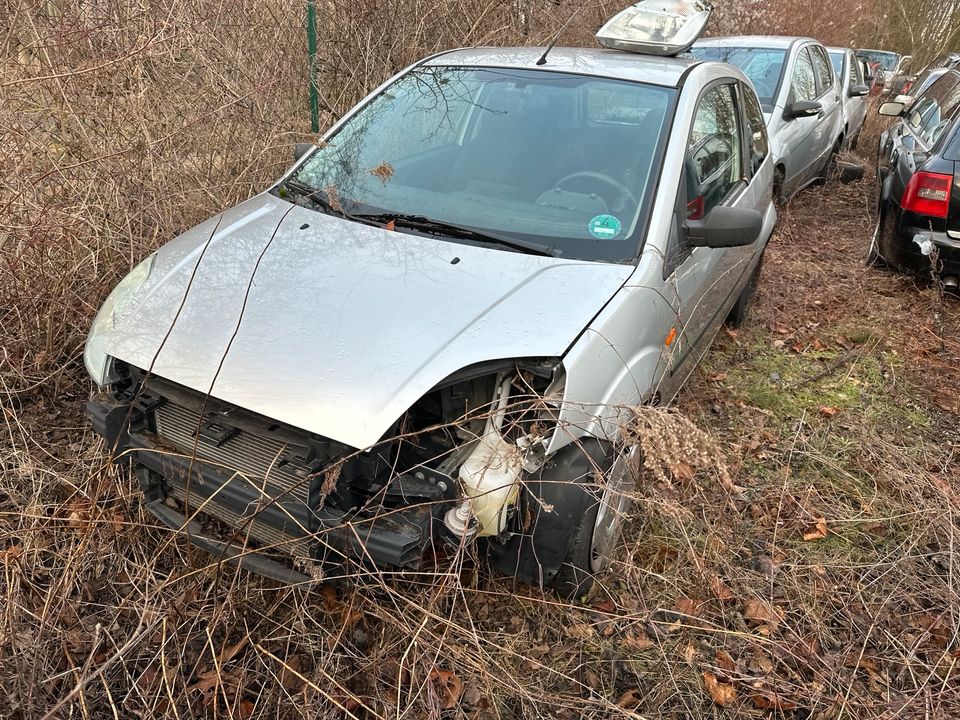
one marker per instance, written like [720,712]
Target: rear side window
[756,128]
[713,160]
[822,69]
[932,111]
[803,83]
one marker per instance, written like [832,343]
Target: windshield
[764,67]
[836,59]
[564,161]
[888,60]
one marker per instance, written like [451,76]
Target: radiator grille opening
[254,456]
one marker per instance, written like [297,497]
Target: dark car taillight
[927,194]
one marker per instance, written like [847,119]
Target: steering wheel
[623,192]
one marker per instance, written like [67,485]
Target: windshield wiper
[440,227]
[321,198]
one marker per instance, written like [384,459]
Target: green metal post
[312,51]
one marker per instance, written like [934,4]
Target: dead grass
[835,408]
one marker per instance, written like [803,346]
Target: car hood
[337,327]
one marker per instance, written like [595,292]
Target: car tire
[597,531]
[778,179]
[741,308]
[883,250]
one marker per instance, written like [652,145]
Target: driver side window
[714,152]
[803,84]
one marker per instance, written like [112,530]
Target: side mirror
[802,108]
[725,227]
[859,91]
[301,149]
[848,172]
[892,109]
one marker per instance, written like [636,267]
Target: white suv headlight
[94,353]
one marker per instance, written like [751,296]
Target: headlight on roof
[656,27]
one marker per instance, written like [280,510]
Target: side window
[803,84]
[756,127]
[856,75]
[931,114]
[714,152]
[822,69]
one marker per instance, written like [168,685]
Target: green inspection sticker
[605,227]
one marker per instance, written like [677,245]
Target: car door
[856,104]
[830,121]
[717,171]
[798,136]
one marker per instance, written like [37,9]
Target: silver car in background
[801,101]
[854,92]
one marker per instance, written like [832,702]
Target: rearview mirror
[802,108]
[301,149]
[725,227]
[893,109]
[859,91]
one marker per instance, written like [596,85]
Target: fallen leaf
[768,700]
[630,700]
[683,471]
[760,611]
[290,675]
[688,606]
[877,529]
[245,709]
[638,642]
[448,686]
[579,631]
[723,694]
[689,652]
[828,411]
[817,531]
[720,589]
[605,606]
[330,601]
[726,662]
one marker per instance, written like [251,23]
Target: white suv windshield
[764,67]
[566,161]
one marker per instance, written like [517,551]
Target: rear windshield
[565,161]
[888,60]
[764,67]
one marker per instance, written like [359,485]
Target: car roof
[838,49]
[775,42]
[653,69]
[882,52]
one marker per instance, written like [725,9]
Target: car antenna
[543,58]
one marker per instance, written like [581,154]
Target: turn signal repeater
[656,27]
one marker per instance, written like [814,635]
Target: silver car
[432,330]
[800,97]
[854,92]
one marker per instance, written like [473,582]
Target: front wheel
[598,530]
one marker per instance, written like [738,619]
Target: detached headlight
[94,352]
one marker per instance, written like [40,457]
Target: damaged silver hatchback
[430,331]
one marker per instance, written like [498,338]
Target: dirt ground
[823,585]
